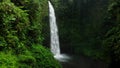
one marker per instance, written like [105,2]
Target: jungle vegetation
[86,27]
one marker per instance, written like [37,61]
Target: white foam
[62,57]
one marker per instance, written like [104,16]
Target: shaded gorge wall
[79,23]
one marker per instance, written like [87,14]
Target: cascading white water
[55,48]
[54,43]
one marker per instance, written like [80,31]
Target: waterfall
[54,38]
[55,48]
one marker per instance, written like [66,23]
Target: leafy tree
[112,37]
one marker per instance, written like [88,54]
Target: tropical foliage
[21,37]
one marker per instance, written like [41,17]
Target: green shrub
[26,61]
[44,59]
[8,60]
